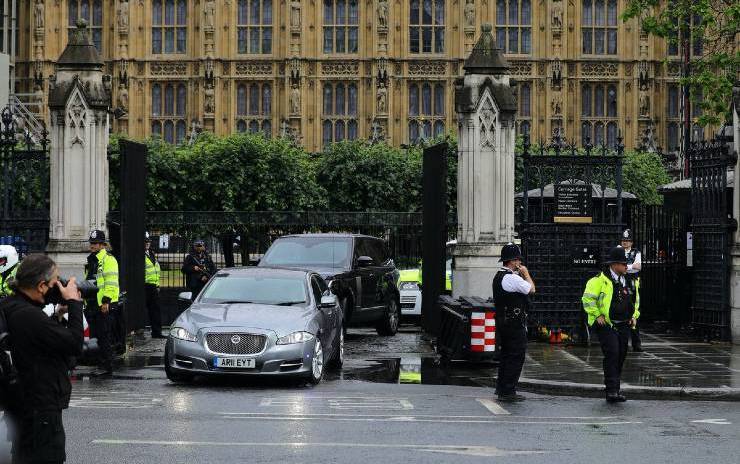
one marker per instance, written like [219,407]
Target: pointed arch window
[254,107]
[599,27]
[254,26]
[169,109]
[524,103]
[427,26]
[599,114]
[426,110]
[514,26]
[341,26]
[92,12]
[339,115]
[169,26]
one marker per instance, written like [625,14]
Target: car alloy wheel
[393,316]
[389,324]
[317,363]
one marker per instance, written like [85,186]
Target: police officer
[612,305]
[41,347]
[102,267]
[198,268]
[151,281]
[8,268]
[512,286]
[634,265]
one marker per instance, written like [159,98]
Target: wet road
[150,420]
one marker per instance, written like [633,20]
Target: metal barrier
[467,329]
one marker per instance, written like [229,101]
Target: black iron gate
[711,227]
[564,251]
[24,191]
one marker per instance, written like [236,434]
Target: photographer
[198,268]
[42,348]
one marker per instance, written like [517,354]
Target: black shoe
[615,398]
[511,398]
[637,349]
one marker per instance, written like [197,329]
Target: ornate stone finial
[486,57]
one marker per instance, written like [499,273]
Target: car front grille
[223,343]
[408,299]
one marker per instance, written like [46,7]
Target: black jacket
[41,347]
[193,277]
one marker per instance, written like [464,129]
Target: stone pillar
[485,106]
[79,99]
[735,273]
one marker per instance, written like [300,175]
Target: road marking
[492,406]
[713,421]
[342,403]
[471,450]
[586,418]
[420,419]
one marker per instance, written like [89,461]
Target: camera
[87,289]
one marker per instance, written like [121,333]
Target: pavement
[671,367]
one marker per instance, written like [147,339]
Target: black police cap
[616,255]
[509,252]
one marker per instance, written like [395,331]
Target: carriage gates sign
[573,203]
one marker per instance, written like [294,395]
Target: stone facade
[332,69]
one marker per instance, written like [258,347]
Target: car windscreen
[281,290]
[309,252]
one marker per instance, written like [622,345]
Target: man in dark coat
[42,348]
[198,268]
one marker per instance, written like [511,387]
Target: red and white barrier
[482,332]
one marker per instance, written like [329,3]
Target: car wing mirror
[328,301]
[364,261]
[185,296]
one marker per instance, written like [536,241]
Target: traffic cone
[559,337]
[553,337]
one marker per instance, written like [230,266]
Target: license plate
[234,363]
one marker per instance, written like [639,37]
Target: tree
[716,24]
[643,172]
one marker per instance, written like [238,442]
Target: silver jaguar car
[257,321]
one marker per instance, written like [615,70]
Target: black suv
[358,269]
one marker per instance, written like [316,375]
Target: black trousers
[511,340]
[39,438]
[614,342]
[635,336]
[152,305]
[101,326]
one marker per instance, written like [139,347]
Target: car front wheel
[317,363]
[338,359]
[389,324]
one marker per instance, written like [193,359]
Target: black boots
[615,398]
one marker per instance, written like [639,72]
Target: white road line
[472,450]
[411,419]
[600,418]
[492,406]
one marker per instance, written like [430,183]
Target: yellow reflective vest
[4,288]
[151,271]
[107,277]
[597,298]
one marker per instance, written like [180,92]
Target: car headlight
[182,334]
[295,337]
[409,286]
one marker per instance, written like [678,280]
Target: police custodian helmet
[509,252]
[97,236]
[627,235]
[616,255]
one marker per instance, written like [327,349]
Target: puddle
[409,370]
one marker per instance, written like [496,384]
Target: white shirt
[513,283]
[638,260]
[617,277]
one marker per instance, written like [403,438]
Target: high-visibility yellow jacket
[151,271]
[107,278]
[597,298]
[4,288]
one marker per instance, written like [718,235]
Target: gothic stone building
[327,70]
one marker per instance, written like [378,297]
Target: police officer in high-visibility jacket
[8,268]
[612,303]
[151,287]
[102,267]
